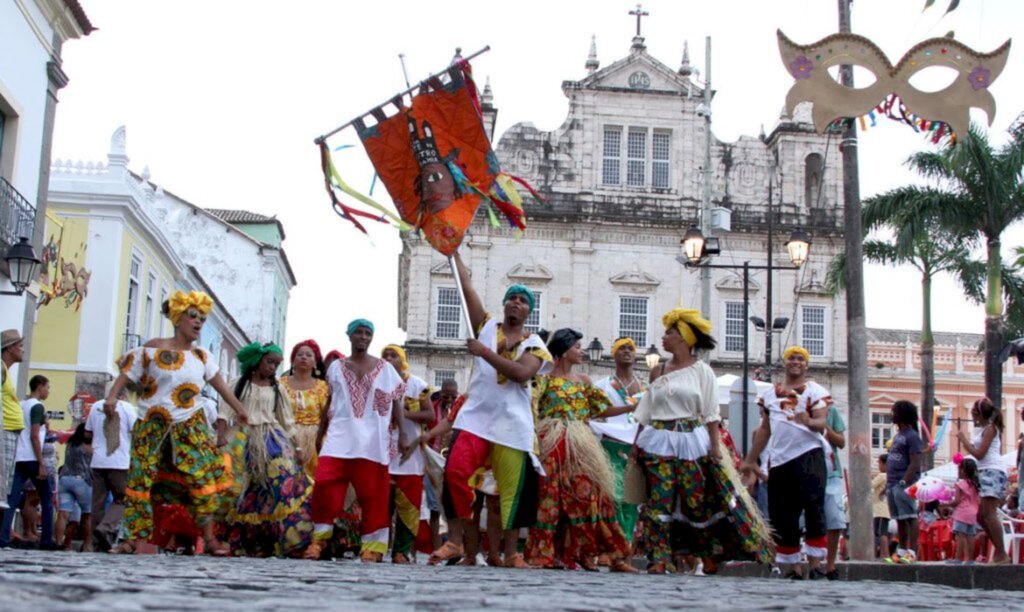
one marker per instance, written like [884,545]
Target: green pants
[625,514]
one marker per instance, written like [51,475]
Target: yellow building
[108,267]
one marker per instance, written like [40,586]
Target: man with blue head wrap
[495,425]
[366,405]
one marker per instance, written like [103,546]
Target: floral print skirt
[574,521]
[694,508]
[272,515]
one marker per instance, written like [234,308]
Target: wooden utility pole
[859,413]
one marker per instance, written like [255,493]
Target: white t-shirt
[496,409]
[416,464]
[24,451]
[621,427]
[121,458]
[360,412]
[790,439]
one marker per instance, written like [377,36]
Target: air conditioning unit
[721,219]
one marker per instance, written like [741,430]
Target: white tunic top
[790,439]
[416,464]
[621,427]
[360,412]
[689,393]
[170,380]
[497,410]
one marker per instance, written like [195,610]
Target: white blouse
[689,393]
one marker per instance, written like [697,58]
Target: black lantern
[594,349]
[23,265]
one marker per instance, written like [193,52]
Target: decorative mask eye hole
[862,77]
[933,78]
[435,177]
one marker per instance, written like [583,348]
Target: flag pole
[462,296]
[319,139]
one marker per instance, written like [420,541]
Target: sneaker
[776,572]
[816,574]
[905,557]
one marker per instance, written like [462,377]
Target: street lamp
[652,357]
[798,245]
[693,245]
[23,266]
[594,349]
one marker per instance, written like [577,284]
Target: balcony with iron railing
[17,216]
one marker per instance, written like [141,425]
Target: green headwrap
[356,324]
[521,290]
[250,355]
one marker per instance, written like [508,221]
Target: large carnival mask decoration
[809,65]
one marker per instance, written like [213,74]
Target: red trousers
[370,479]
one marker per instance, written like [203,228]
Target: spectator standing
[111,440]
[880,508]
[902,470]
[11,352]
[75,492]
[29,465]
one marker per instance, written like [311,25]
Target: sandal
[124,548]
[314,550]
[449,550]
[369,556]
[216,548]
[623,567]
[399,559]
[495,561]
[657,568]
[588,565]
[517,561]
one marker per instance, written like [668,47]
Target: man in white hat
[12,351]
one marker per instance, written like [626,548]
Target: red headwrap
[317,360]
[335,355]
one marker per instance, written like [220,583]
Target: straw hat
[9,337]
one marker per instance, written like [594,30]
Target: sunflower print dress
[174,458]
[308,406]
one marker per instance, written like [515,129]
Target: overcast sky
[222,101]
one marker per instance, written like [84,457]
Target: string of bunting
[894,109]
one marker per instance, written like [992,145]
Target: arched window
[814,167]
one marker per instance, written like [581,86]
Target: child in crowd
[965,511]
[880,508]
[903,470]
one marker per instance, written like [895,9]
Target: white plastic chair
[1013,535]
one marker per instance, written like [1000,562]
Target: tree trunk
[994,325]
[927,366]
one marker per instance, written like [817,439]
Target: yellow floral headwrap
[686,320]
[621,342]
[181,302]
[401,356]
[796,350]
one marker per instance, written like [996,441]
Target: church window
[442,375]
[533,322]
[447,323]
[812,329]
[636,158]
[734,324]
[660,159]
[612,156]
[633,315]
[813,167]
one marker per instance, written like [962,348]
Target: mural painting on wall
[60,279]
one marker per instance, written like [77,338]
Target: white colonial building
[32,33]
[622,180]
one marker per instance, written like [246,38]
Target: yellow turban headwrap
[796,350]
[686,320]
[181,302]
[401,356]
[621,342]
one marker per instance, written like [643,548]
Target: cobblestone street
[34,580]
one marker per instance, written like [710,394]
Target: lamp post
[594,350]
[696,258]
[23,266]
[652,357]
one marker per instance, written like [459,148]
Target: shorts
[75,497]
[433,501]
[881,526]
[901,506]
[835,511]
[993,483]
[967,529]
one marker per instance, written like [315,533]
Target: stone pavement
[31,580]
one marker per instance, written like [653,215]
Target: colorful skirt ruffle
[695,505]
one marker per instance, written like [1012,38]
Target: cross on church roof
[640,14]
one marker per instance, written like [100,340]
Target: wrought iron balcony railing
[17,216]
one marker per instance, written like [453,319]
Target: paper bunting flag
[436,162]
[809,65]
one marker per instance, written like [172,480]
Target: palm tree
[918,242]
[978,193]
